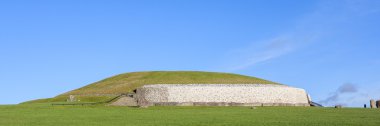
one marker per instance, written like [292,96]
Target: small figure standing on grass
[365,105]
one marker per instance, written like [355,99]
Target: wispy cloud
[318,23]
[271,49]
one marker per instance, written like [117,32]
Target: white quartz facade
[225,93]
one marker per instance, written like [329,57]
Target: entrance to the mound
[126,100]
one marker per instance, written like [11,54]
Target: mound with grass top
[125,83]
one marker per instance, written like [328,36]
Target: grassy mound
[127,82]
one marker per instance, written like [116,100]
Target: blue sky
[328,47]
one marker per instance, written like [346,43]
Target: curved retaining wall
[222,95]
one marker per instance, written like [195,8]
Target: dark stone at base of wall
[224,104]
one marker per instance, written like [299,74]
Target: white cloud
[323,21]
[274,48]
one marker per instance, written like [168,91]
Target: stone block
[372,103]
[165,104]
[267,104]
[141,99]
[185,104]
[252,104]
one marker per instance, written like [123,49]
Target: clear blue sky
[330,48]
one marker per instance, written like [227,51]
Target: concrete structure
[221,95]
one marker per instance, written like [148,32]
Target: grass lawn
[46,115]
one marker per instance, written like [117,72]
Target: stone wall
[222,95]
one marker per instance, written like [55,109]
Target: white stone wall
[230,93]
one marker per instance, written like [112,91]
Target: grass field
[41,113]
[46,115]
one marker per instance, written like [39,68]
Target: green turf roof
[127,82]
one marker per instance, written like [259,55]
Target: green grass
[63,99]
[46,115]
[127,82]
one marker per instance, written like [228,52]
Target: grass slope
[46,115]
[127,82]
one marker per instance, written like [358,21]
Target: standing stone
[378,103]
[71,98]
[372,103]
